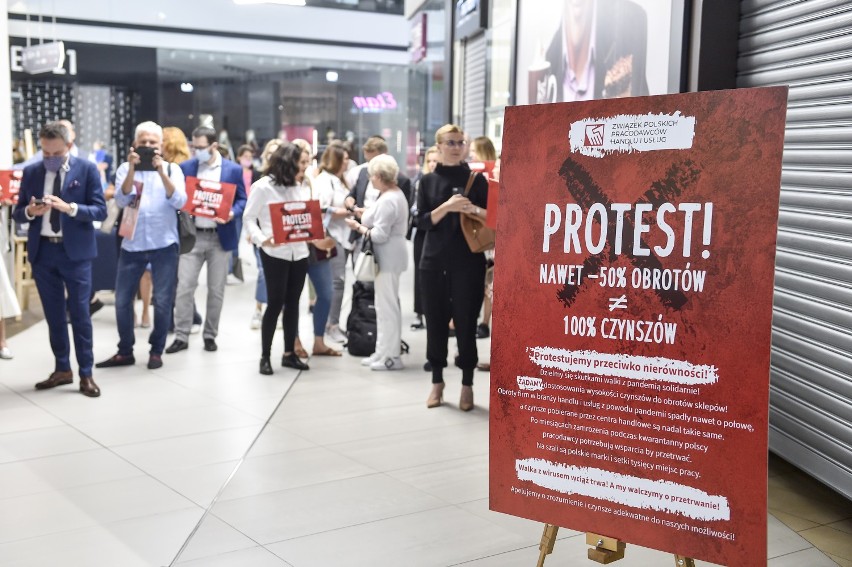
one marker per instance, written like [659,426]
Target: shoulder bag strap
[469,183]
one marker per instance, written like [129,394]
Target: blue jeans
[320,274]
[260,288]
[131,265]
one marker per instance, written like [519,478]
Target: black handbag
[186,231]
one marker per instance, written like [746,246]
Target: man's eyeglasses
[455,143]
[198,148]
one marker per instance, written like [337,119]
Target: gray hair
[384,167]
[149,127]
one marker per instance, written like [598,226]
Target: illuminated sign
[382,102]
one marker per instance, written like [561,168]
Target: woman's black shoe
[418,324]
[293,361]
[265,366]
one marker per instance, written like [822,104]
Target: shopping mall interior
[206,462]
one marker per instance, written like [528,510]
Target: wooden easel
[605,549]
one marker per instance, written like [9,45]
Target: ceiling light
[331,76]
[186,87]
[281,2]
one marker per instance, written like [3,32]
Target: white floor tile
[199,484]
[63,471]
[298,512]
[255,557]
[213,538]
[280,471]
[43,442]
[62,510]
[190,450]
[444,536]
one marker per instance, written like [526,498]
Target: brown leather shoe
[88,387]
[59,378]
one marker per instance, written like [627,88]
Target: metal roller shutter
[807,44]
[473,110]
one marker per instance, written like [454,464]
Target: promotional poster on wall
[630,357]
[597,49]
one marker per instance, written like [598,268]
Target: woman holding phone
[452,277]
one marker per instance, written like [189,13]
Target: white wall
[371,29]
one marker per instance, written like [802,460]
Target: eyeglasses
[198,148]
[455,143]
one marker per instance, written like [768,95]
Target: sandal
[300,350]
[327,352]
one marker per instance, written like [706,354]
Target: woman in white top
[386,223]
[8,301]
[284,265]
[330,187]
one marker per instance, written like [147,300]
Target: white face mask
[203,156]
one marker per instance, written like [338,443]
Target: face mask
[203,155]
[246,162]
[53,163]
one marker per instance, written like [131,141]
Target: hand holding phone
[146,158]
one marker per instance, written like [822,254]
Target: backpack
[361,325]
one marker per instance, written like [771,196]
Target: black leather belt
[53,239]
[199,229]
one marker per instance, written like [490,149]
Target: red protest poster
[296,221]
[632,319]
[10,184]
[493,200]
[209,199]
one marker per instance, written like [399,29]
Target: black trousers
[457,295]
[419,238]
[284,283]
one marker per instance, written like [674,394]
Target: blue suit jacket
[82,186]
[231,173]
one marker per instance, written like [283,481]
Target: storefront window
[500,48]
[260,97]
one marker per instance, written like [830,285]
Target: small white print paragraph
[598,137]
[624,489]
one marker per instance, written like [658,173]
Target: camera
[146,156]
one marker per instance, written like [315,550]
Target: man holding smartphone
[160,191]
[60,197]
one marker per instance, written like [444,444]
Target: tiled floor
[206,463]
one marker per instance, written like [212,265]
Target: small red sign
[208,199]
[10,184]
[296,221]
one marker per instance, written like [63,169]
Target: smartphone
[146,155]
[38,201]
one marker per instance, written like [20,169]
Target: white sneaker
[195,329]
[256,320]
[233,280]
[394,363]
[369,360]
[335,334]
[5,353]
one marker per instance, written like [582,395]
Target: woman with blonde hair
[452,276]
[175,145]
[331,190]
[430,161]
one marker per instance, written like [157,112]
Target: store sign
[43,58]
[632,319]
[382,102]
[471,17]
[418,39]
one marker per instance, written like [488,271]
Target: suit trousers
[452,294]
[54,273]
[388,315]
[207,250]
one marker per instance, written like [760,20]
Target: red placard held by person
[209,199]
[632,319]
[493,200]
[296,221]
[10,184]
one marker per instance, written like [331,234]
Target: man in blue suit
[60,197]
[214,243]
